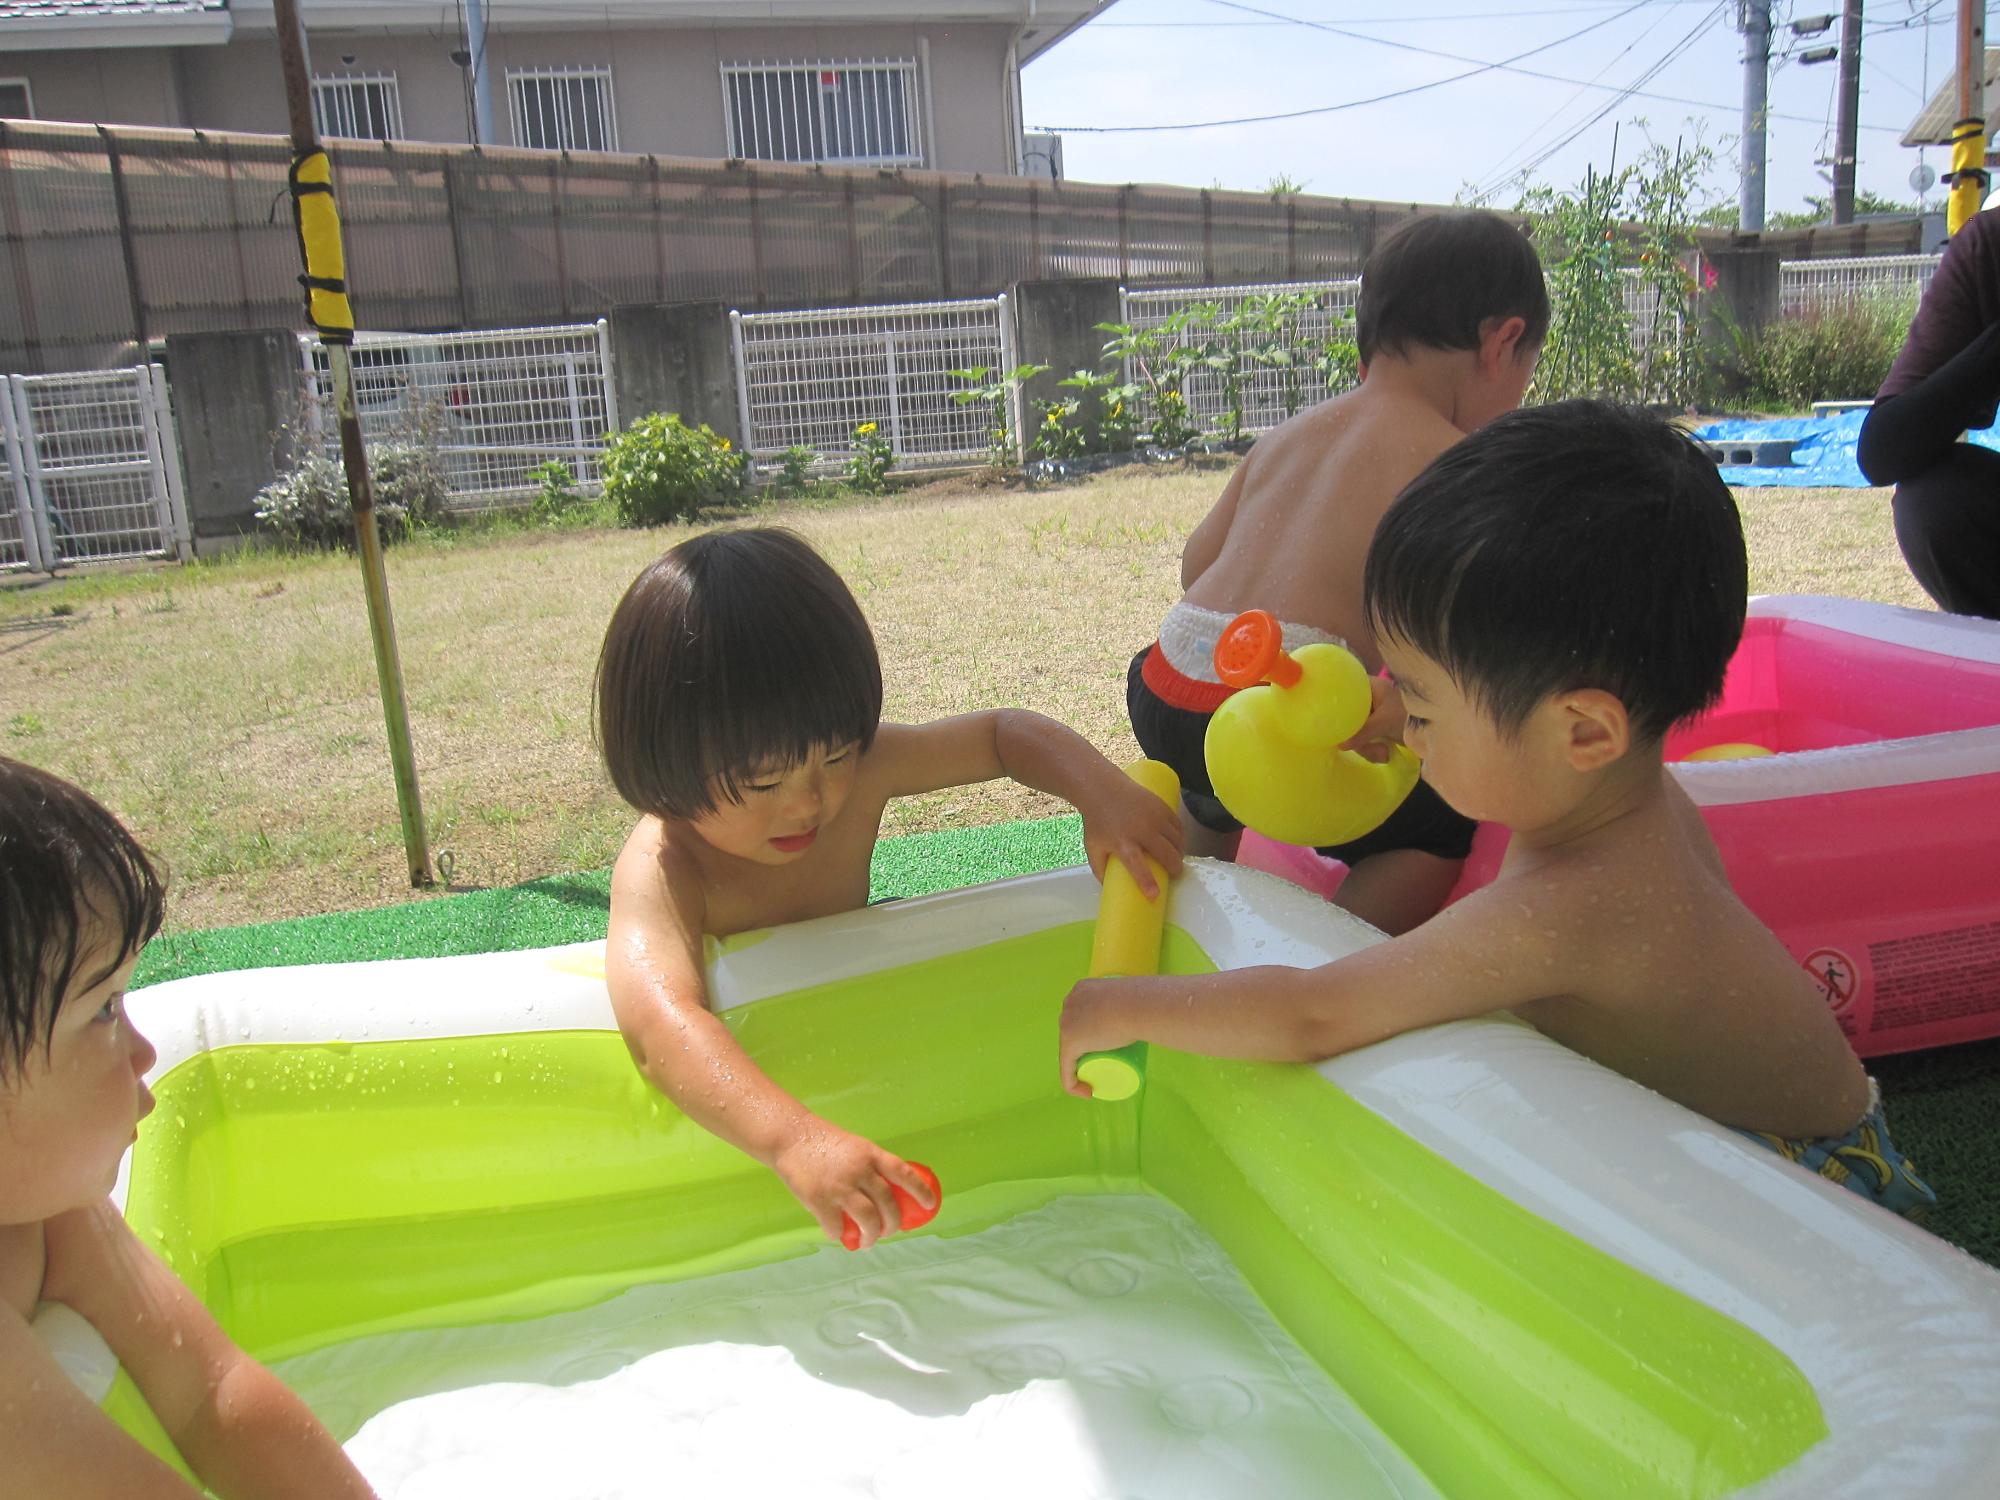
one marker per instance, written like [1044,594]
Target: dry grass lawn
[229,711]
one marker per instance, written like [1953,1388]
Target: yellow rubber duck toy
[1272,747]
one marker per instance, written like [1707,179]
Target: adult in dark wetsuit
[1946,382]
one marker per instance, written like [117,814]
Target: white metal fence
[1808,284]
[89,470]
[502,403]
[808,379]
[1269,395]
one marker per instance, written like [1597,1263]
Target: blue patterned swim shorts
[1864,1160]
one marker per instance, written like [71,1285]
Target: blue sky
[1156,62]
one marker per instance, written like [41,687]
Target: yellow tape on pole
[318,218]
[1968,176]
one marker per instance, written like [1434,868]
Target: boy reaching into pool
[1550,596]
[739,702]
[1450,321]
[78,901]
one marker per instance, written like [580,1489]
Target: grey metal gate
[89,470]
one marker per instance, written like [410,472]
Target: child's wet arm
[1278,1014]
[55,1442]
[653,967]
[1121,819]
[237,1425]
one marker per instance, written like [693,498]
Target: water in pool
[1095,1347]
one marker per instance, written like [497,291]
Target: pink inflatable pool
[1870,840]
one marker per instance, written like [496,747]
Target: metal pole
[482,77]
[1968,137]
[1848,121]
[1756,89]
[354,460]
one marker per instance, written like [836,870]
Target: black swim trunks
[1425,821]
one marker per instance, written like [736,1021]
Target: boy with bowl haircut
[1449,322]
[1550,596]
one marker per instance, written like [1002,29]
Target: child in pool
[1450,322]
[739,705]
[1550,596]
[78,900]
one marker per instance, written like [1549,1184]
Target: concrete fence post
[677,357]
[1748,291]
[1055,324]
[232,393]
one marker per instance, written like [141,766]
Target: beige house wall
[666,83]
[110,86]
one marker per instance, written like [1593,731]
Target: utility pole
[482,78]
[1848,121]
[1967,178]
[1756,27]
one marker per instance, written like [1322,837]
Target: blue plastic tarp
[1823,455]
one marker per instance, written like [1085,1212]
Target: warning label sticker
[1835,972]
[1936,976]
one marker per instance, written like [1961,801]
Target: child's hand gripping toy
[1272,747]
[912,1214]
[1127,943]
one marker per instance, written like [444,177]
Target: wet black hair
[737,651]
[1438,281]
[72,881]
[1578,545]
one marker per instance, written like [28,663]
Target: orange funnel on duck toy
[1273,748]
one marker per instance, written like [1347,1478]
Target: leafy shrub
[410,482]
[310,505]
[659,469]
[871,460]
[1834,353]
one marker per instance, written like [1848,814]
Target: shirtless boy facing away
[1450,321]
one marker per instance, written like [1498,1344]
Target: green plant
[1837,352]
[556,494]
[1269,325]
[659,469]
[1061,433]
[795,466]
[872,458]
[309,504]
[1161,357]
[1107,407]
[1623,231]
[1588,351]
[988,387]
[1665,209]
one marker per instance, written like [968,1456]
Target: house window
[361,107]
[861,113]
[16,103]
[563,109]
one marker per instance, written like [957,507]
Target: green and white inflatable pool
[1482,1266]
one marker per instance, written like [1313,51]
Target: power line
[1671,55]
[1505,66]
[1402,20]
[1328,109]
[1507,159]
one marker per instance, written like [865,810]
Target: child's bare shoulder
[1356,445]
[656,872]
